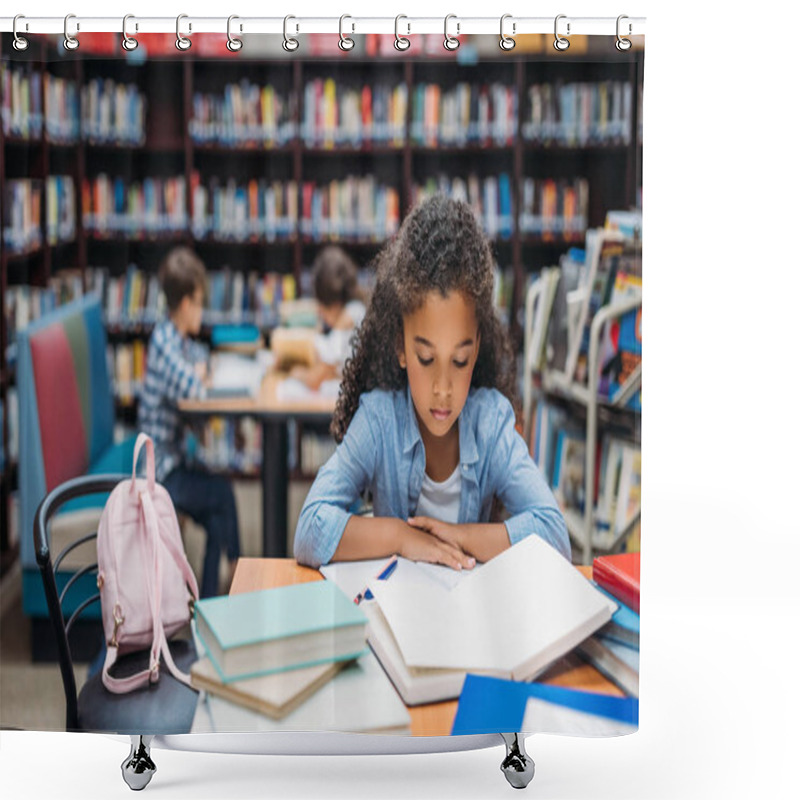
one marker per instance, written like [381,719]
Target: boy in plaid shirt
[176,369]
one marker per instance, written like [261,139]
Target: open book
[237,375]
[512,618]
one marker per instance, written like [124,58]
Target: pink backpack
[147,587]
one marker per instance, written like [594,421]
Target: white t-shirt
[334,347]
[440,500]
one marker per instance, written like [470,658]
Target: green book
[259,633]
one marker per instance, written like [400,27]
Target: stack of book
[614,649]
[269,654]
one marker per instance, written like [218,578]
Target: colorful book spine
[154,206]
[231,444]
[355,208]
[553,208]
[353,116]
[490,199]
[22,215]
[244,114]
[113,113]
[21,107]
[231,211]
[465,114]
[578,114]
[61,208]
[62,109]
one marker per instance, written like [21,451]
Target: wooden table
[274,414]
[433,719]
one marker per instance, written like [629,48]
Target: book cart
[582,525]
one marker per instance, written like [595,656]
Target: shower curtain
[268,160]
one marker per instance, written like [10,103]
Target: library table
[273,414]
[432,719]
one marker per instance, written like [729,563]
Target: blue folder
[489,705]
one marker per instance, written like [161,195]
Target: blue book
[624,624]
[259,633]
[488,705]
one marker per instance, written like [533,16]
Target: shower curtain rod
[347,24]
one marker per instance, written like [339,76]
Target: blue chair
[66,427]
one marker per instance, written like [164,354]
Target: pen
[365,593]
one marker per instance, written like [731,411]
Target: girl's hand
[418,544]
[447,532]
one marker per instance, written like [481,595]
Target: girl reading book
[426,414]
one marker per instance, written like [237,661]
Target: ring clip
[401,43]
[290,44]
[506,42]
[623,44]
[560,42]
[450,42]
[128,42]
[182,43]
[345,42]
[20,43]
[233,44]
[70,42]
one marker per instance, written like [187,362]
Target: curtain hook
[20,43]
[128,42]
[560,42]
[506,42]
[401,43]
[290,44]
[233,44]
[182,43]
[345,42]
[450,42]
[70,42]
[623,44]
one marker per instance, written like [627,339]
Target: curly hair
[439,247]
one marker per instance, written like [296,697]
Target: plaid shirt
[170,377]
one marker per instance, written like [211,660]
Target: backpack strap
[143,440]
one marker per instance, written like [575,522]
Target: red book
[619,575]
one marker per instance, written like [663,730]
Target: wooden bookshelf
[169,85]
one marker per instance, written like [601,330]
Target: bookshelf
[319,178]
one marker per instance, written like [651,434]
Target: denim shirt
[383,451]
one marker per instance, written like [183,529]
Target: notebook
[274,695]
[359,699]
[258,633]
[235,375]
[520,612]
